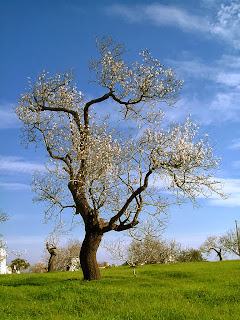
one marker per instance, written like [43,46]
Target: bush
[190,255]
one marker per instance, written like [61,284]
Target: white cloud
[232,188]
[225,107]
[224,23]
[14,186]
[222,104]
[229,79]
[194,69]
[225,70]
[227,25]
[19,165]
[159,14]
[229,61]
[235,144]
[8,118]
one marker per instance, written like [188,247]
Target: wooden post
[238,239]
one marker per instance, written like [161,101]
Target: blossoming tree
[109,168]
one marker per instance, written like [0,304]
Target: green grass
[207,290]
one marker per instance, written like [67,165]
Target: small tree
[105,171]
[19,265]
[212,243]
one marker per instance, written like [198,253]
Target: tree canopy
[19,264]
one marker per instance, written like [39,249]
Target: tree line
[149,250]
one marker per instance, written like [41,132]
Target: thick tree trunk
[51,262]
[52,251]
[88,257]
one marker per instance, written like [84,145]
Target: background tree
[52,242]
[3,216]
[190,255]
[152,250]
[104,171]
[212,243]
[230,241]
[119,251]
[19,264]
[51,248]
[67,255]
[38,267]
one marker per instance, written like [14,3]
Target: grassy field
[206,290]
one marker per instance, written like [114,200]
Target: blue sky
[200,40]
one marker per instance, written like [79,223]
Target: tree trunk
[88,257]
[219,253]
[51,262]
[52,251]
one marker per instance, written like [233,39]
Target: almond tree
[230,241]
[212,243]
[110,168]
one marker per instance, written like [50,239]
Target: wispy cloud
[229,79]
[227,24]
[8,118]
[160,14]
[19,165]
[232,188]
[224,23]
[225,107]
[14,186]
[223,75]
[235,144]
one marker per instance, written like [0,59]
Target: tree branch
[88,104]
[111,225]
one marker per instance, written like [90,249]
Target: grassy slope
[208,290]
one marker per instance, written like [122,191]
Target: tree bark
[51,262]
[88,257]
[219,253]
[52,251]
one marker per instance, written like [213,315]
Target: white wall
[3,266]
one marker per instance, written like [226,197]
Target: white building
[3,262]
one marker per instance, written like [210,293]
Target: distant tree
[97,169]
[51,248]
[212,243]
[149,250]
[152,250]
[38,267]
[19,265]
[190,255]
[68,255]
[52,242]
[230,242]
[3,216]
